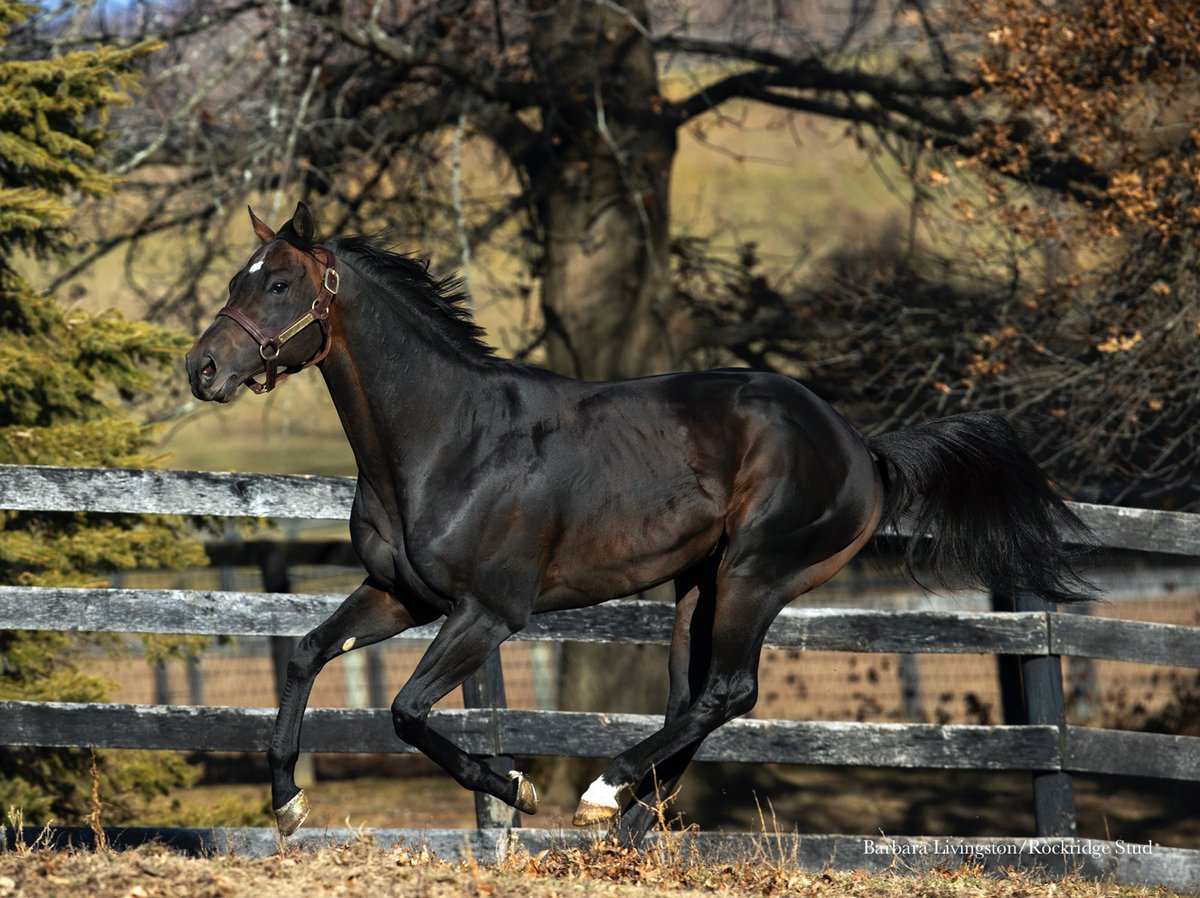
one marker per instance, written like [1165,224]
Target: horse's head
[276,319]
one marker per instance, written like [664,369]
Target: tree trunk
[603,183]
[603,188]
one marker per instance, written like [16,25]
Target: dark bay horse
[489,491]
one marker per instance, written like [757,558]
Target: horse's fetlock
[278,756]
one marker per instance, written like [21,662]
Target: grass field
[364,868]
[959,804]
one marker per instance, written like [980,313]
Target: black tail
[992,519]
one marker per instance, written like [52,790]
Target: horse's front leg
[470,634]
[368,615]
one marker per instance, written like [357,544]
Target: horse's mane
[404,283]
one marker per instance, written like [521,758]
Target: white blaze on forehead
[257,265]
[601,793]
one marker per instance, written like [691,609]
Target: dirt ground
[757,799]
[369,870]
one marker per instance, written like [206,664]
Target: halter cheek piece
[270,344]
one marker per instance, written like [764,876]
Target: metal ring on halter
[262,351]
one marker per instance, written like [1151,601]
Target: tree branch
[370,36]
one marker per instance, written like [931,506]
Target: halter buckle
[332,285]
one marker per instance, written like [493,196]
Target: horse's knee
[408,717]
[305,660]
[742,703]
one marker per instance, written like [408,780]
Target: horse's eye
[279,287]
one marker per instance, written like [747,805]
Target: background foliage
[1045,156]
[66,379]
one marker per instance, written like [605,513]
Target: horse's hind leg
[730,688]
[751,588]
[368,615]
[695,594]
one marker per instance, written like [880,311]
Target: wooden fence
[1033,636]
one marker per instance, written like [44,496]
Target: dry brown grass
[603,869]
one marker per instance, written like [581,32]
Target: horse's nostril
[209,371]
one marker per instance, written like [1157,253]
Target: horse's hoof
[599,804]
[291,815]
[527,800]
[589,813]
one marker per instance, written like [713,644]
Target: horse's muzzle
[206,380]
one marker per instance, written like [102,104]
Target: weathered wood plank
[853,630]
[548,733]
[198,612]
[46,488]
[576,734]
[205,728]
[286,614]
[1121,640]
[1093,750]
[1123,863]
[1142,529]
[884,745]
[127,490]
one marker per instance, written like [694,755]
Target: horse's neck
[394,393]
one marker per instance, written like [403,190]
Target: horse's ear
[302,222]
[264,233]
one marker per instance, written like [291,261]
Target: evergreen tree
[66,382]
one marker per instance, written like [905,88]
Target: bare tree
[354,101]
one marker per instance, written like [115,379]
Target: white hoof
[598,805]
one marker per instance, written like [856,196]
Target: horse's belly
[623,559]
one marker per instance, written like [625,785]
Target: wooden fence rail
[1036,635]
[306,497]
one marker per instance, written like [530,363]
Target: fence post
[908,668]
[1042,690]
[272,563]
[1083,690]
[1008,674]
[376,682]
[162,684]
[485,689]
[195,680]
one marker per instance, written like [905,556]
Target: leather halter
[270,344]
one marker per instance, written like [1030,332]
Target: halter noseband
[270,344]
